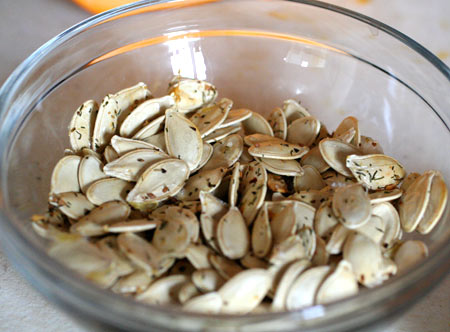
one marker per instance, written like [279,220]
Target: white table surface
[26,24]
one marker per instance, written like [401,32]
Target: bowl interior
[258,55]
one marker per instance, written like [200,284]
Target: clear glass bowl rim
[20,247]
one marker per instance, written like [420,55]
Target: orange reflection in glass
[210,33]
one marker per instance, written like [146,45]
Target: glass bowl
[258,53]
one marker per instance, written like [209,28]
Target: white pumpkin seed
[314,158]
[197,255]
[374,229]
[207,280]
[236,116]
[303,131]
[226,268]
[163,291]
[346,137]
[107,213]
[210,303]
[283,224]
[178,131]
[391,221]
[82,125]
[122,265]
[385,195]
[335,152]
[90,170]
[65,175]
[304,213]
[145,112]
[213,209]
[209,118]
[144,254]
[82,256]
[282,167]
[287,251]
[348,124]
[190,94]
[74,205]
[277,150]
[253,191]
[325,221]
[105,123]
[414,202]
[304,289]
[232,234]
[337,239]
[351,205]
[408,180]
[187,291]
[366,259]
[308,237]
[311,179]
[131,165]
[369,146]
[338,285]
[410,253]
[171,237]
[258,138]
[221,133]
[245,291]
[110,154]
[107,190]
[133,226]
[135,282]
[188,218]
[286,281]
[129,98]
[206,155]
[277,120]
[376,171]
[257,124]
[124,145]
[157,140]
[154,127]
[161,180]
[293,111]
[226,152]
[436,204]
[204,181]
[262,233]
[233,186]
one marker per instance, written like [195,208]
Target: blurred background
[27,24]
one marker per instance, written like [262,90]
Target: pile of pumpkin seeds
[185,200]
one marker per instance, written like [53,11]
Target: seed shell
[335,152]
[161,180]
[277,120]
[65,175]
[145,112]
[376,171]
[209,118]
[257,124]
[106,190]
[82,125]
[232,234]
[245,291]
[303,131]
[105,123]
